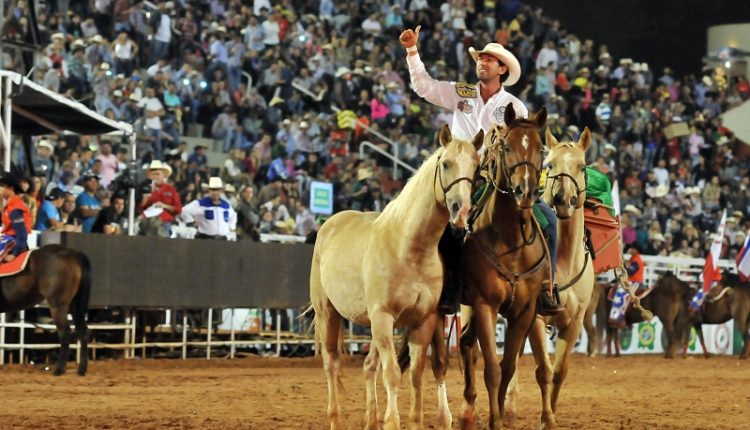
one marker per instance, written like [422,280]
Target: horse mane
[420,182]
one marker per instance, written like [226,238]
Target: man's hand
[409,37]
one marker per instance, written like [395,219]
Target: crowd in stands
[261,77]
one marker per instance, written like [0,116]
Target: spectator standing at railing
[214,217]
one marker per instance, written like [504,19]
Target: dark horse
[730,302]
[504,267]
[61,277]
[669,301]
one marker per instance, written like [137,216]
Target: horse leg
[543,371]
[468,352]
[669,328]
[79,319]
[327,331]
[419,338]
[514,338]
[742,326]
[371,371]
[439,368]
[566,341]
[699,331]
[608,340]
[382,336]
[617,341]
[485,320]
[60,317]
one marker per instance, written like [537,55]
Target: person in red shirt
[163,195]
[16,219]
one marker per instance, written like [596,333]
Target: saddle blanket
[16,266]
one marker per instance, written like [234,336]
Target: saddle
[16,266]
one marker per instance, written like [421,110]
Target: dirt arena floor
[641,392]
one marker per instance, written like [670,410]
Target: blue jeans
[551,232]
[158,50]
[156,144]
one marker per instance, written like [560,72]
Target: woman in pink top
[378,109]
[109,163]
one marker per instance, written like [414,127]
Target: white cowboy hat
[230,188]
[304,124]
[658,237]
[610,147]
[58,36]
[158,165]
[364,173]
[692,190]
[732,219]
[626,61]
[46,144]
[506,57]
[636,67]
[632,209]
[661,191]
[342,71]
[214,183]
[707,81]
[135,97]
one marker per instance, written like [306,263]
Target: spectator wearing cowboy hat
[214,217]
[87,202]
[48,217]
[475,107]
[163,195]
[16,219]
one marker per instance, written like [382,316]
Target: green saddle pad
[599,186]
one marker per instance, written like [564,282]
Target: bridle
[438,179]
[499,145]
[579,190]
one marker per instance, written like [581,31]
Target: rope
[646,314]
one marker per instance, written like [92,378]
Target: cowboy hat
[662,190]
[214,183]
[738,214]
[46,144]
[658,237]
[229,188]
[626,61]
[732,219]
[134,97]
[506,57]
[342,71]
[707,81]
[609,146]
[632,209]
[692,190]
[158,165]
[304,124]
[364,173]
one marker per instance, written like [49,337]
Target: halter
[505,170]
[438,179]
[579,190]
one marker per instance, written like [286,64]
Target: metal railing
[394,157]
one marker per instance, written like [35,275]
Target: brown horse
[669,301]
[595,332]
[61,277]
[730,303]
[383,270]
[504,265]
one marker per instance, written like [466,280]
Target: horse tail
[404,358]
[80,305]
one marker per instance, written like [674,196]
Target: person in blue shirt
[87,202]
[48,216]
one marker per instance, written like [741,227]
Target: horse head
[515,151]
[454,173]
[565,188]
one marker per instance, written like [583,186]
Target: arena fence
[245,279]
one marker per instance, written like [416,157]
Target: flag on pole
[711,270]
[743,259]
[616,198]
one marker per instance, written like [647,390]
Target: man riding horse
[476,107]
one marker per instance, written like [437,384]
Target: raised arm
[440,93]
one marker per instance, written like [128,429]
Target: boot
[549,302]
[450,298]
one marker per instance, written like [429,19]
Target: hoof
[468,423]
[445,422]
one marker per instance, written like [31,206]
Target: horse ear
[585,140]
[510,114]
[550,139]
[541,117]
[479,140]
[445,136]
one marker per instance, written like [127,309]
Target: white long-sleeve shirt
[211,219]
[470,112]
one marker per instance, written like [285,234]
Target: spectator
[111,219]
[48,217]
[213,216]
[163,196]
[87,203]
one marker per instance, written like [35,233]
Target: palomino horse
[565,190]
[669,301]
[503,261]
[730,303]
[383,270]
[61,277]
